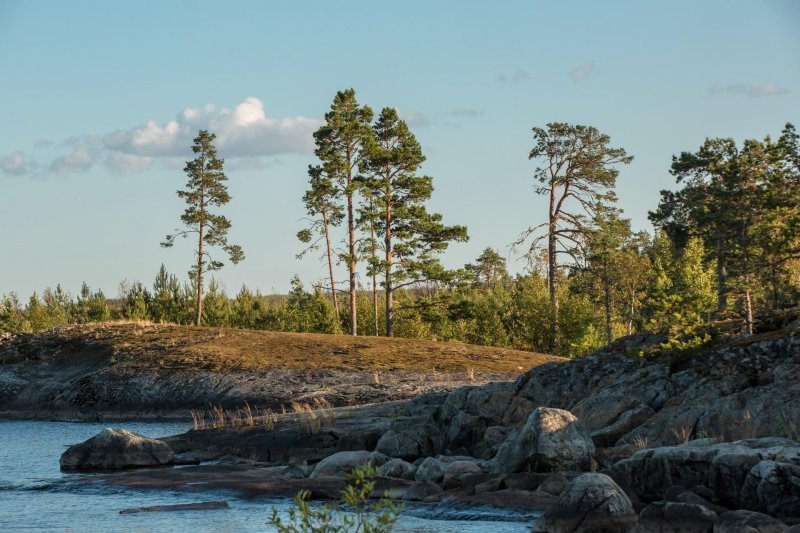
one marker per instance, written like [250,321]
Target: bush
[354,512]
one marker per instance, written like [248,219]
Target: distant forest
[725,253]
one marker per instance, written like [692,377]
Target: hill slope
[125,370]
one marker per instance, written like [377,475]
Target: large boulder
[430,469]
[457,471]
[773,487]
[410,438]
[397,468]
[591,503]
[676,517]
[339,464]
[551,440]
[115,449]
[758,474]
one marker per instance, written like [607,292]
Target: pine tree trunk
[748,304]
[374,273]
[722,273]
[552,265]
[351,231]
[199,288]
[330,264]
[631,311]
[388,272]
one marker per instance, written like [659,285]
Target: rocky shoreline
[608,442]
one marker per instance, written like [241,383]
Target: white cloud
[85,152]
[244,131]
[77,160]
[753,91]
[14,164]
[582,72]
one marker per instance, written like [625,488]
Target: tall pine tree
[205,189]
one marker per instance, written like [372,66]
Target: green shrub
[354,513]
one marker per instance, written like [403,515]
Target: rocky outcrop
[115,449]
[757,474]
[591,503]
[410,438]
[743,521]
[550,440]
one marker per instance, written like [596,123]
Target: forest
[724,253]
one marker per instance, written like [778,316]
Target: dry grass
[217,417]
[640,442]
[187,347]
[683,433]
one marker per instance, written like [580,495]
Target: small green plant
[353,514]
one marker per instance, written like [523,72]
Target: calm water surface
[36,496]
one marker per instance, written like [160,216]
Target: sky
[100,101]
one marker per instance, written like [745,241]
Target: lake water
[36,496]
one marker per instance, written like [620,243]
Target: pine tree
[578,175]
[412,237]
[205,189]
[322,201]
[339,147]
[12,316]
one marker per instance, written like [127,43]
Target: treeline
[726,248]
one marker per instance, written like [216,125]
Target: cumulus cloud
[466,112]
[518,75]
[14,164]
[753,91]
[582,72]
[243,131]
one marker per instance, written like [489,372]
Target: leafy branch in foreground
[354,514]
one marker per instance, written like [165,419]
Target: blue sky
[99,102]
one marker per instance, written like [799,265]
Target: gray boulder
[423,490]
[397,468]
[748,522]
[551,440]
[339,464]
[773,487]
[410,438]
[676,517]
[457,471]
[591,503]
[430,469]
[115,449]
